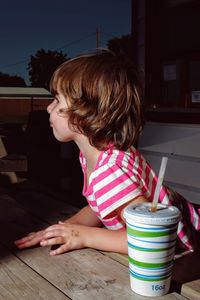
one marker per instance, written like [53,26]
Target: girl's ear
[62,112]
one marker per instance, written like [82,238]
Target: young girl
[97,104]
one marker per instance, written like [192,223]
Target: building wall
[22,107]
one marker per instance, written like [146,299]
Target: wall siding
[181,143]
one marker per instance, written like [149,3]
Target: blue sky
[27,26]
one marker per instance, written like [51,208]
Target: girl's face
[59,121]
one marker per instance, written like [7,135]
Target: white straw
[159,183]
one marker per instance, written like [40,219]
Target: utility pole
[98,38]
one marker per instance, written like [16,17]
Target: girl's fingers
[31,239]
[23,240]
[62,249]
[58,226]
[28,243]
[53,233]
[32,233]
[60,222]
[51,242]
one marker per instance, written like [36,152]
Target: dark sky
[29,25]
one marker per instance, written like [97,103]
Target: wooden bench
[181,143]
[11,163]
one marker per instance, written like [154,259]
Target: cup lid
[142,213]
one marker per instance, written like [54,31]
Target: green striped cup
[151,245]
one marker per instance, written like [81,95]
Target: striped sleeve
[114,186]
[189,226]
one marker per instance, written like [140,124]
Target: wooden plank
[121,258]
[18,281]
[81,274]
[191,290]
[3,151]
[13,165]
[12,175]
[174,296]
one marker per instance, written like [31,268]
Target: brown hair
[104,97]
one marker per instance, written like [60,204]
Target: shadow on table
[29,206]
[186,269]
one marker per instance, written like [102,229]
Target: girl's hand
[67,236]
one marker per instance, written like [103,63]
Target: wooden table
[34,274]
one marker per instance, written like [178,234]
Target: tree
[122,45]
[11,80]
[42,66]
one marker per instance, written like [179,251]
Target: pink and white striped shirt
[119,177]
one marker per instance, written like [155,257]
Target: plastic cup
[151,246]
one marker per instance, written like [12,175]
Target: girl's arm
[74,236]
[111,240]
[77,232]
[86,217]
[107,240]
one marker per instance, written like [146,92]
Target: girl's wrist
[88,238]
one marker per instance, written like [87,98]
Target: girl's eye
[55,101]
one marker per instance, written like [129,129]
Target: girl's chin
[57,137]
[62,139]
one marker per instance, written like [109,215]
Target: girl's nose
[49,107]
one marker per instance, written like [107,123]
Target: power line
[59,48]
[110,35]
[14,64]
[76,41]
